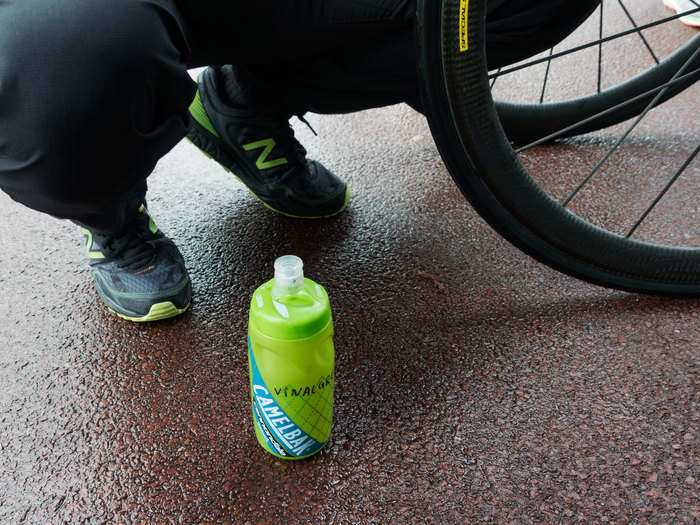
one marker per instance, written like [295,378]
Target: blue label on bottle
[282,435]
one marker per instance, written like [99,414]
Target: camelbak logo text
[294,439]
[283,436]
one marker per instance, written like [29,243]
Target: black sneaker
[139,274]
[259,147]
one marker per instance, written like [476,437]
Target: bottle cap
[289,275]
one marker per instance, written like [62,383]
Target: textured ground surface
[472,382]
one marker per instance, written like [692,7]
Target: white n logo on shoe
[262,162]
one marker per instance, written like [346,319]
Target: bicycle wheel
[466,127]
[527,121]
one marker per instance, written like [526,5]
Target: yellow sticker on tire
[463,25]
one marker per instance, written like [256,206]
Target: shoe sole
[689,22]
[211,150]
[158,312]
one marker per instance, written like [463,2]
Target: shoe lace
[285,129]
[131,251]
[302,119]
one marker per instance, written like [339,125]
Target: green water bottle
[291,362]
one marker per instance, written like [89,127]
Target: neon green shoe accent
[157,312]
[262,163]
[198,113]
[92,254]
[151,225]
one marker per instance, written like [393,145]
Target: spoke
[663,192]
[593,43]
[612,109]
[629,16]
[626,134]
[495,77]
[546,75]
[600,47]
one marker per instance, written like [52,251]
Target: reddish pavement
[473,384]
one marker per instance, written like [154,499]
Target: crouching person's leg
[92,94]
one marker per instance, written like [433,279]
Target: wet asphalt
[473,383]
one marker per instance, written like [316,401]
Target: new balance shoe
[259,147]
[683,6]
[139,274]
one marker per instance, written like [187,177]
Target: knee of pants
[92,93]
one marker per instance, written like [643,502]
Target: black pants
[94,92]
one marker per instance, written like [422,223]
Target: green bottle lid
[289,307]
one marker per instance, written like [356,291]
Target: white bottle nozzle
[289,275]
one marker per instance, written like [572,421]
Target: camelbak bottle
[291,361]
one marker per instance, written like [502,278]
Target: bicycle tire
[525,123]
[465,125]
